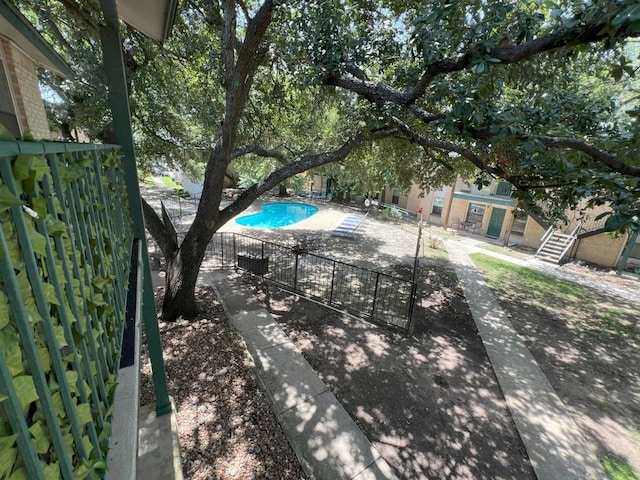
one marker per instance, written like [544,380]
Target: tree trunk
[182,275]
[282,190]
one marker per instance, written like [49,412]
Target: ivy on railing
[64,246]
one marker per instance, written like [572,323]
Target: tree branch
[55,31]
[229,38]
[82,13]
[579,35]
[158,230]
[593,152]
[305,163]
[380,93]
[261,152]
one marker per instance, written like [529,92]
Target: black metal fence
[376,296]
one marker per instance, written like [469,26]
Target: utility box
[256,265]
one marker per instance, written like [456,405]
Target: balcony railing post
[119,103]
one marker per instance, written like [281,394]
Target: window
[438,203]
[8,116]
[503,189]
[395,198]
[475,213]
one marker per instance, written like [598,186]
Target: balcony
[73,301]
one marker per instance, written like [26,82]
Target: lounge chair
[348,226]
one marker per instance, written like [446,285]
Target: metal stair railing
[569,241]
[545,239]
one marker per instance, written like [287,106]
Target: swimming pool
[276,215]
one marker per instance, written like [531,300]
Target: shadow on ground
[429,402]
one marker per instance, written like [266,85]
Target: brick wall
[533,233]
[458,212]
[28,99]
[600,249]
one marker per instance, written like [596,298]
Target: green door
[495,222]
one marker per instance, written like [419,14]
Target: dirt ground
[590,364]
[226,428]
[412,396]
[429,402]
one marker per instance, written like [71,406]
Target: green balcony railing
[65,256]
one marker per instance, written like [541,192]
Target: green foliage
[618,468]
[502,115]
[71,276]
[391,215]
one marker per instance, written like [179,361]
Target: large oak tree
[527,91]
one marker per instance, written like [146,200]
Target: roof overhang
[154,18]
[15,27]
[491,199]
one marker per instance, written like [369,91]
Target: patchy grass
[442,232]
[564,300]
[618,469]
[168,181]
[147,180]
[433,248]
[504,251]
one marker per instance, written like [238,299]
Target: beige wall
[459,208]
[457,212]
[415,202]
[600,249]
[23,77]
[533,233]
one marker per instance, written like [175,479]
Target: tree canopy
[540,93]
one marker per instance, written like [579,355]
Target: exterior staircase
[555,244]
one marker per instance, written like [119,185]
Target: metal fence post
[333,278]
[412,301]
[375,295]
[235,250]
[295,273]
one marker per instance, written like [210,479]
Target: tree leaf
[61,340]
[39,166]
[25,390]
[72,380]
[614,223]
[52,471]
[55,227]
[4,310]
[45,359]
[12,353]
[83,411]
[40,438]
[39,204]
[38,241]
[5,134]
[7,442]
[20,474]
[21,166]
[8,456]
[8,199]
[56,398]
[50,293]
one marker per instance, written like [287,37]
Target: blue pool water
[276,215]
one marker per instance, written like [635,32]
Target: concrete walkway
[326,440]
[554,443]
